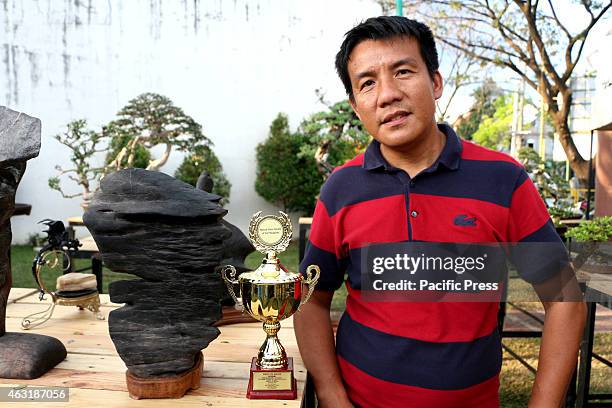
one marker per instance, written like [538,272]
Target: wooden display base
[166,387]
[272,384]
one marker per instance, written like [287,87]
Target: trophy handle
[231,281]
[311,281]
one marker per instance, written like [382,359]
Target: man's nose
[388,92]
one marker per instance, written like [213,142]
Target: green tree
[494,130]
[203,159]
[483,106]
[284,177]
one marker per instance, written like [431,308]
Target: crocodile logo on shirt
[463,220]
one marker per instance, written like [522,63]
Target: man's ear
[352,102]
[438,85]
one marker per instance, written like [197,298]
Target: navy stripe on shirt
[483,180]
[440,366]
[332,268]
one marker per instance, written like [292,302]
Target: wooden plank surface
[96,374]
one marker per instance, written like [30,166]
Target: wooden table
[96,375]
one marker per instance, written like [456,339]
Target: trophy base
[272,384]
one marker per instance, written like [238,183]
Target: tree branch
[156,164]
[565,30]
[534,35]
[569,64]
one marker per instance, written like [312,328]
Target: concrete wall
[231,64]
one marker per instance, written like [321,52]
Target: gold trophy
[270,294]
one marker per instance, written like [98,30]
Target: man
[417,181]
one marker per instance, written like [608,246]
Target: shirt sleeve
[323,250]
[540,253]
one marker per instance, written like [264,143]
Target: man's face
[393,94]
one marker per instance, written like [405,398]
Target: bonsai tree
[145,122]
[203,159]
[150,120]
[334,135]
[84,144]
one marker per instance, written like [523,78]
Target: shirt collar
[450,156]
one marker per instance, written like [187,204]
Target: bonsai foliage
[284,176]
[596,230]
[202,159]
[150,120]
[334,136]
[145,122]
[84,144]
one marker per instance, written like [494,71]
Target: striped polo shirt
[411,354]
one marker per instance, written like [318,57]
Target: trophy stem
[272,354]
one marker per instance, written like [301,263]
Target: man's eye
[367,83]
[403,72]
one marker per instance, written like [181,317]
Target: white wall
[231,64]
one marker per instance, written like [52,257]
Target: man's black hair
[384,28]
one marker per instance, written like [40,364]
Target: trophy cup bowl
[270,301]
[270,294]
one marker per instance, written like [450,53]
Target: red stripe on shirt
[322,232]
[355,161]
[527,212]
[427,321]
[371,392]
[435,221]
[472,151]
[373,221]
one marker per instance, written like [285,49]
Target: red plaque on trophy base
[272,384]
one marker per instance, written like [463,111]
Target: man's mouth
[395,118]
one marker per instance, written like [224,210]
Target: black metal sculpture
[57,254]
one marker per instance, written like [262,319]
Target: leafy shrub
[291,167]
[283,176]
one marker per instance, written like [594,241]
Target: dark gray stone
[28,356]
[22,356]
[19,135]
[170,234]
